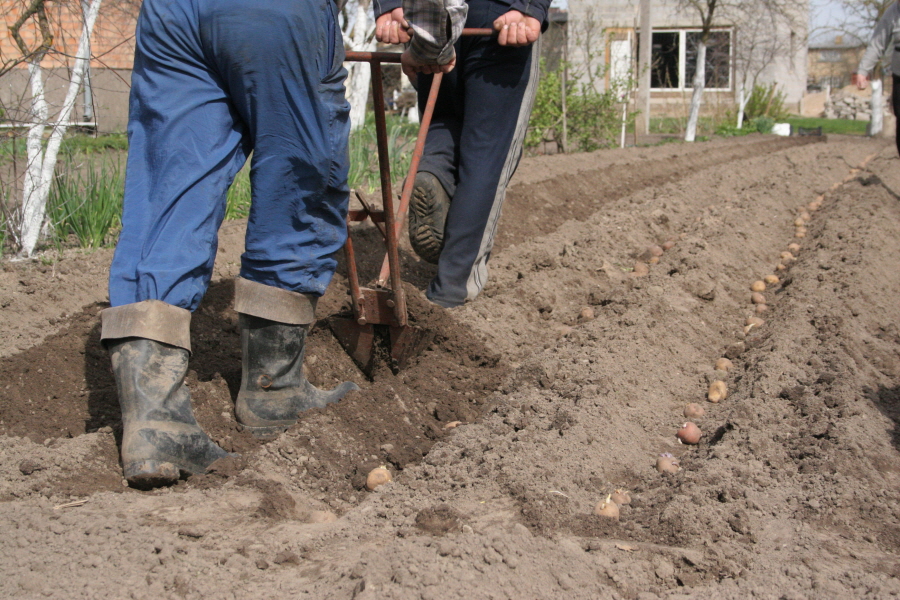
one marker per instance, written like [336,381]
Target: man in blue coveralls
[475,139]
[213,81]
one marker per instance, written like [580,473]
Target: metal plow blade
[371,345]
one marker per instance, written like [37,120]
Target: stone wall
[844,105]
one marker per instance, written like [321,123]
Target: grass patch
[6,206]
[706,126]
[87,204]
[91,144]
[364,172]
[835,126]
[238,200]
[13,143]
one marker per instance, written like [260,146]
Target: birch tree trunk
[697,97]
[42,162]
[360,39]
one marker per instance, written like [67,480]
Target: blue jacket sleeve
[379,7]
[533,8]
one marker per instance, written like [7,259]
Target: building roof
[834,41]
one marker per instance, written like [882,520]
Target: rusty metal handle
[418,151]
[394,57]
[473,31]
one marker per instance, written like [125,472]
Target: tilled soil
[562,383]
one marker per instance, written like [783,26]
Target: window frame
[685,85]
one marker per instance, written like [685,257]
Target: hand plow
[379,314]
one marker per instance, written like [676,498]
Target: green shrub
[765,101]
[593,119]
[763,124]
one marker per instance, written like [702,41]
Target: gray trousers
[473,147]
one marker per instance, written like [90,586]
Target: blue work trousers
[213,81]
[474,145]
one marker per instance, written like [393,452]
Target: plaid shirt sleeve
[437,25]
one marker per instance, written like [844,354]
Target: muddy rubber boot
[274,390]
[428,209]
[161,440]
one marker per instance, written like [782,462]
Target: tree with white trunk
[772,13]
[41,154]
[358,26]
[706,9]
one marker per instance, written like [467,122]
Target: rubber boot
[428,208]
[274,390]
[161,440]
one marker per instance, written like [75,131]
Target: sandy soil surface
[563,383]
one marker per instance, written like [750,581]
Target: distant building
[832,60]
[744,47]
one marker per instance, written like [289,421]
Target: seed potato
[689,434]
[718,391]
[376,477]
[694,411]
[607,508]
[666,463]
[621,497]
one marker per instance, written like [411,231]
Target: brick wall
[112,49]
[112,43]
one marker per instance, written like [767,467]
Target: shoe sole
[265,433]
[148,474]
[427,216]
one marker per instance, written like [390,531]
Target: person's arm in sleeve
[523,23]
[436,25]
[390,26]
[881,37]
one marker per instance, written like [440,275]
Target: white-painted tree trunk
[42,162]
[742,104]
[876,124]
[697,97]
[360,39]
[412,114]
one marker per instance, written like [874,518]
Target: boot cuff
[274,304]
[151,319]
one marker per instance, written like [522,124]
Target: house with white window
[747,44]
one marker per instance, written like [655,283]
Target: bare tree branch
[35,8]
